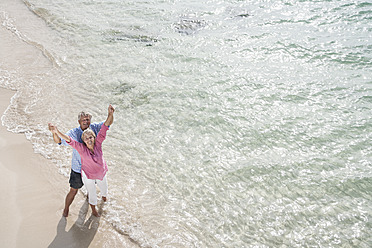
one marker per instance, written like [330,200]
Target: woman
[93,166]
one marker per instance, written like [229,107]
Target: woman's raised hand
[52,128]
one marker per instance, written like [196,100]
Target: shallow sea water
[237,123]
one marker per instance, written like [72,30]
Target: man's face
[84,122]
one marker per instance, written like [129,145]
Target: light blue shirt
[76,135]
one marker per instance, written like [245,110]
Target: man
[75,176]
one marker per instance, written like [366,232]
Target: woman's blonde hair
[86,131]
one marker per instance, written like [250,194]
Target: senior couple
[87,166]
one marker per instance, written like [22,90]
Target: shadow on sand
[80,234]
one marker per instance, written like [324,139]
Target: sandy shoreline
[28,198]
[32,191]
[32,196]
[32,205]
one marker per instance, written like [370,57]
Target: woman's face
[89,140]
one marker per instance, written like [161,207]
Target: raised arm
[110,117]
[57,133]
[56,138]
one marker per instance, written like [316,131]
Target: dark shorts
[75,180]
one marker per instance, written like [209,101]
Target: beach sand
[32,198]
[32,191]
[30,204]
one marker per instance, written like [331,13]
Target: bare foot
[95,213]
[104,198]
[65,212]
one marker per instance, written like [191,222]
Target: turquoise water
[238,123]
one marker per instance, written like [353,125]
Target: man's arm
[110,117]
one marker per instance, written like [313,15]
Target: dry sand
[30,204]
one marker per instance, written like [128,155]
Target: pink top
[92,164]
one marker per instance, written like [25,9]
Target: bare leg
[94,211]
[69,199]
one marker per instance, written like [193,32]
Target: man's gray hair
[84,114]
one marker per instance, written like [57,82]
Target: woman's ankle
[94,211]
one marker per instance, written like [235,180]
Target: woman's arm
[56,138]
[110,117]
[58,134]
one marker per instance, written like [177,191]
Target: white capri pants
[90,185]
